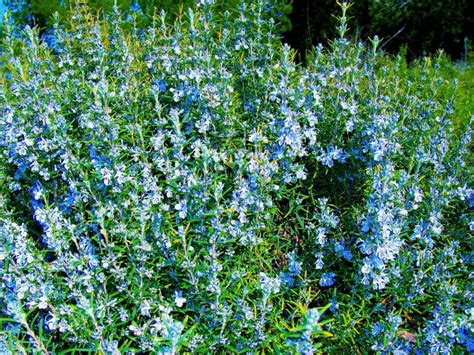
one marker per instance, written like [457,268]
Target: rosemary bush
[190,188]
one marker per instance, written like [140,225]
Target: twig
[38,342]
[395,35]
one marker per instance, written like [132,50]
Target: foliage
[19,11]
[191,188]
[421,26]
[463,75]
[43,11]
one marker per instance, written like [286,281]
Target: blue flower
[327,279]
[135,7]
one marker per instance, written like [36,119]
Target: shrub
[41,12]
[190,188]
[19,11]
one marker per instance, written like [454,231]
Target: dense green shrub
[191,188]
[43,11]
[418,26]
[20,12]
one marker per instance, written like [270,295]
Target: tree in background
[420,26]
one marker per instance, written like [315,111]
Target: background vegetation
[418,26]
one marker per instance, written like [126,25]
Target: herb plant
[189,188]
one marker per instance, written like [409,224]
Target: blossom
[327,279]
[179,300]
